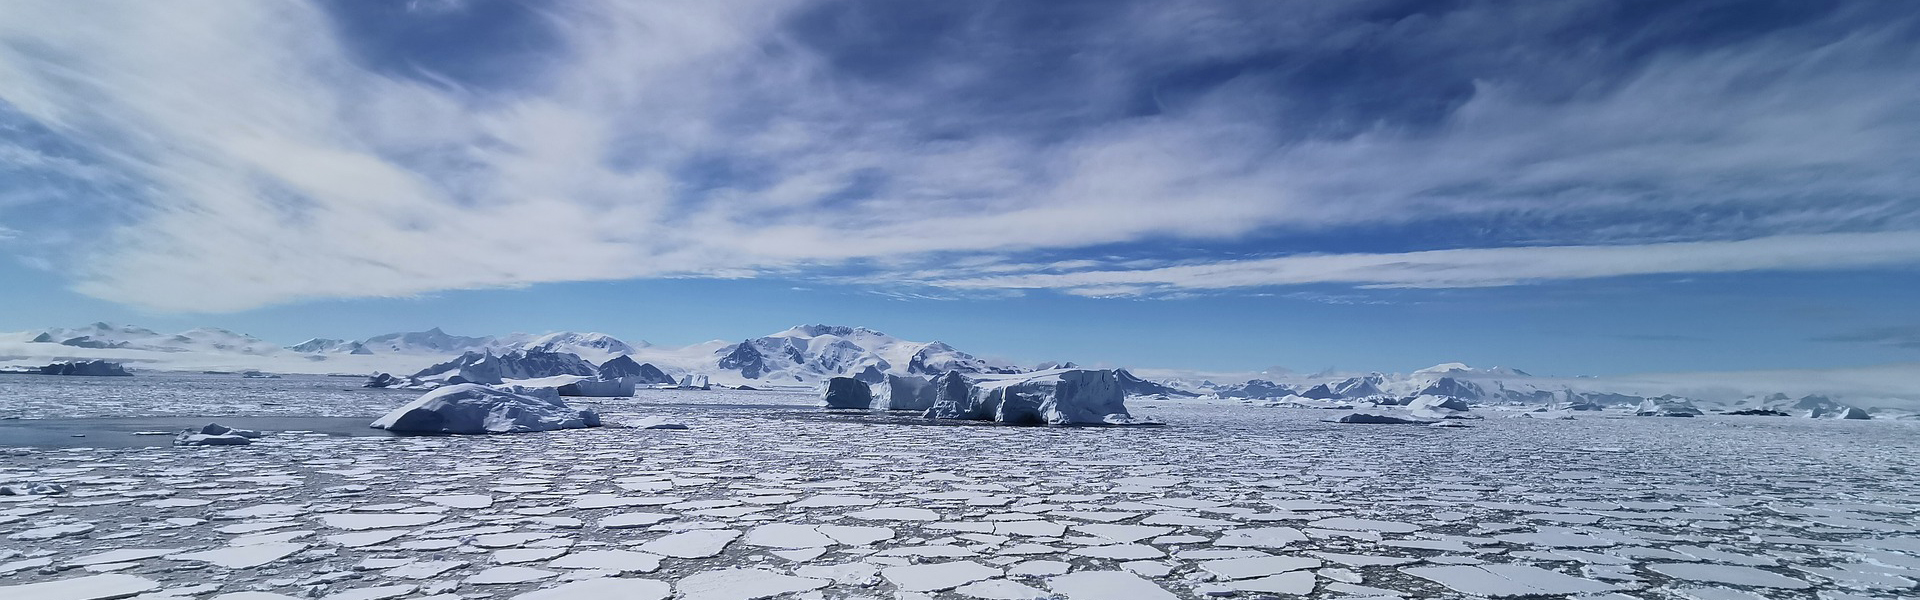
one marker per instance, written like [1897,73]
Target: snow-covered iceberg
[1667,406]
[598,388]
[474,409]
[847,392]
[1440,407]
[1058,397]
[86,368]
[1381,419]
[909,392]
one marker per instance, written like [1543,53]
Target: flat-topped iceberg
[468,408]
[847,392]
[1667,406]
[1056,397]
[910,392]
[86,368]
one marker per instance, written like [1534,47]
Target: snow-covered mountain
[1462,370]
[810,354]
[431,341]
[330,346]
[597,347]
[805,356]
[106,336]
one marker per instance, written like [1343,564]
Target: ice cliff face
[1057,397]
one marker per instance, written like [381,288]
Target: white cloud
[274,166]
[1483,267]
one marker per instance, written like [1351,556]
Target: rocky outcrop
[745,359]
[624,367]
[1133,385]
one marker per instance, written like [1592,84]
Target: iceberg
[1667,406]
[954,398]
[86,368]
[598,388]
[1058,397]
[468,408]
[911,392]
[1380,419]
[847,392]
[1439,407]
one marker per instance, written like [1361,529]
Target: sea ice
[1107,585]
[603,588]
[938,576]
[1730,574]
[743,584]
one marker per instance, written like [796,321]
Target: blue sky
[1567,187]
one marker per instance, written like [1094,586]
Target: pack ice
[473,409]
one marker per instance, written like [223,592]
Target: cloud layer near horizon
[209,155]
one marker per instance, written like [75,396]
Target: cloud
[1484,267]
[256,155]
[1907,337]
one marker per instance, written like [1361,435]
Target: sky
[1571,187]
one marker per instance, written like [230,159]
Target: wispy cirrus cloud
[1898,336]
[251,153]
[1480,267]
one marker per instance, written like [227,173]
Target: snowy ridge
[810,354]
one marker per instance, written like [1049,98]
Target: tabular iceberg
[910,392]
[1667,406]
[473,409]
[1058,397]
[847,392]
[86,368]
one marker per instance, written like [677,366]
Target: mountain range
[808,355]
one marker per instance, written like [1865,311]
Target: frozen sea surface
[765,496]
